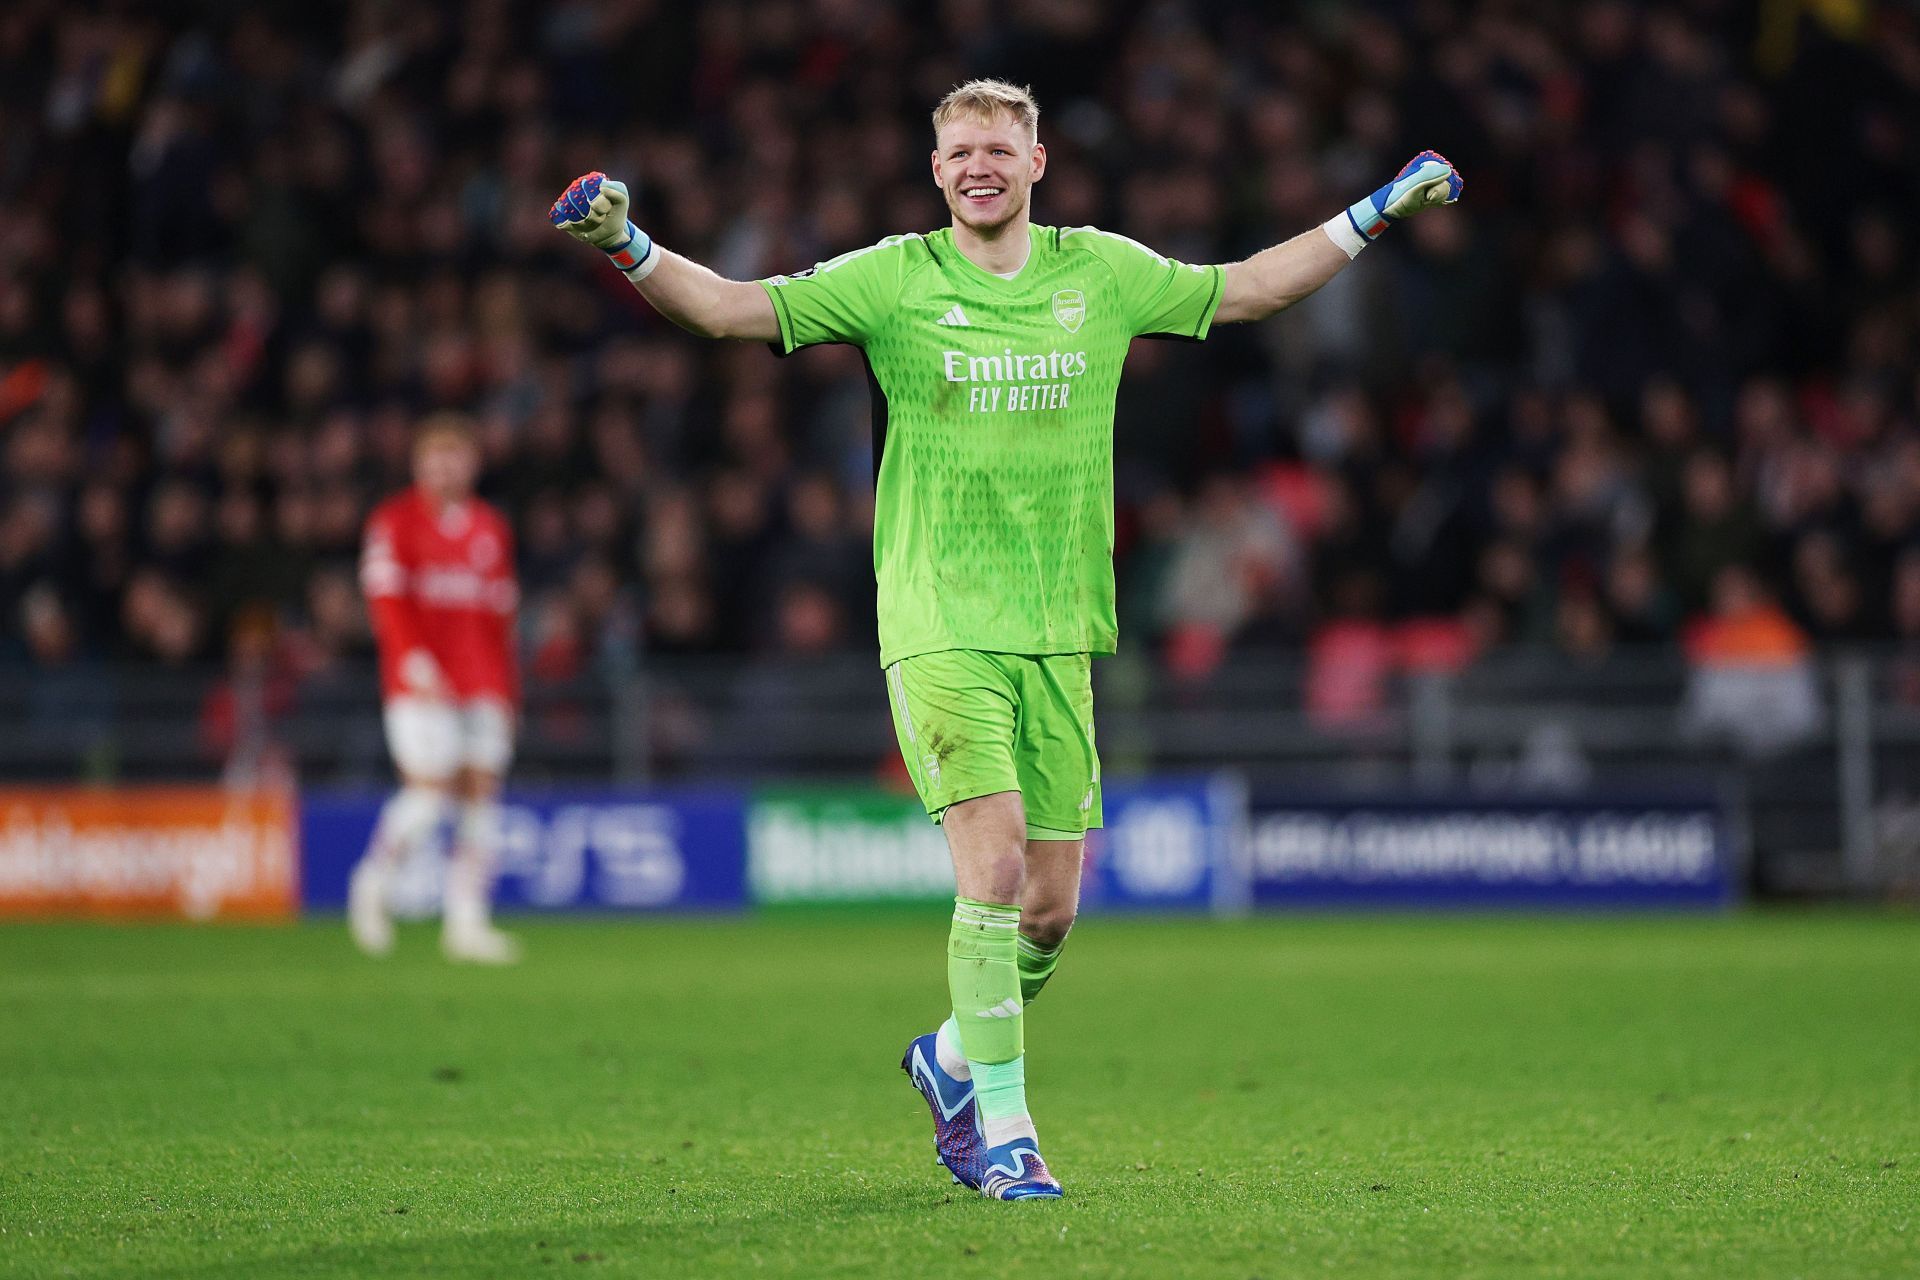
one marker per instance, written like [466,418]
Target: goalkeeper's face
[986,170]
[446,465]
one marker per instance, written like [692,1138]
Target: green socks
[1037,964]
[983,976]
[992,972]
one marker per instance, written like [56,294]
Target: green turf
[1382,1097]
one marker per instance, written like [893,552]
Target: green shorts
[973,723]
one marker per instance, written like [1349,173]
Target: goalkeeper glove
[1429,179]
[593,209]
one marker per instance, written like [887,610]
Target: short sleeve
[1160,297]
[845,299]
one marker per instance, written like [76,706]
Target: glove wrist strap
[1345,233]
[636,256]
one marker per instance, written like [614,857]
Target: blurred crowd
[1652,381]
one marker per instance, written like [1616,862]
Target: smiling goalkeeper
[996,346]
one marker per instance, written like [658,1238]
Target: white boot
[467,932]
[478,944]
[367,918]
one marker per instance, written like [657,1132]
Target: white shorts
[433,740]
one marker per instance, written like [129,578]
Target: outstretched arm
[1274,279]
[594,210]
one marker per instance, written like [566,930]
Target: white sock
[946,1047]
[470,874]
[1000,1130]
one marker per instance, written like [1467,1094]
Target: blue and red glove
[1427,181]
[593,209]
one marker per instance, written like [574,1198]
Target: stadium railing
[1831,807]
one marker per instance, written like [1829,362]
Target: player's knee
[479,786]
[1047,925]
[1000,877]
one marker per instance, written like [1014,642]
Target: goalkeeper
[996,346]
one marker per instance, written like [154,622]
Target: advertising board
[197,853]
[1167,845]
[1463,851]
[668,850]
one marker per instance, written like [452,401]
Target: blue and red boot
[956,1127]
[1015,1171]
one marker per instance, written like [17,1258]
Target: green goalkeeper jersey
[993,425]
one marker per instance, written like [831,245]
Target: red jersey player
[437,569]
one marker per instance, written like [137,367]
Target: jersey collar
[979,272]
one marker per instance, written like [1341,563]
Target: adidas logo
[1008,1008]
[955,319]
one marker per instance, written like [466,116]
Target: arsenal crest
[1070,309]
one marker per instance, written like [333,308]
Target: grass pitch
[1278,1097]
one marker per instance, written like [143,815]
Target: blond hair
[447,424]
[986,101]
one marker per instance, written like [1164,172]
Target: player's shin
[409,816]
[470,874]
[1036,964]
[468,927]
[984,978]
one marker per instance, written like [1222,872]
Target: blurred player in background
[997,347]
[437,568]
